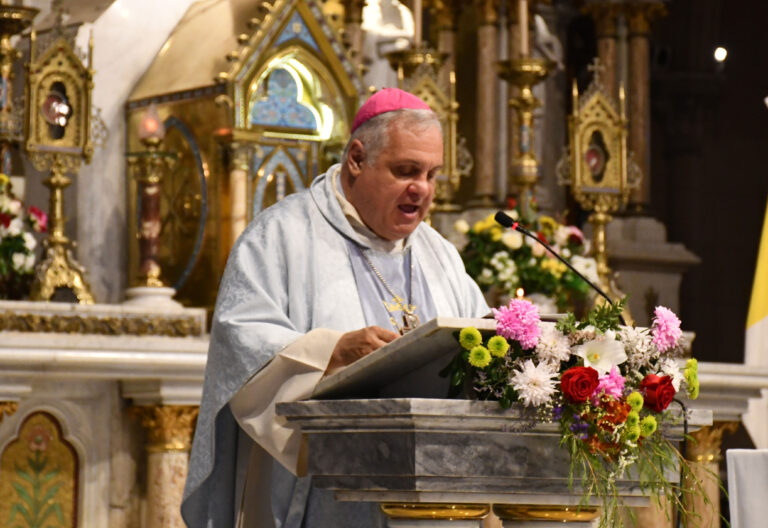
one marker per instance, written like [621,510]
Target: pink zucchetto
[387,100]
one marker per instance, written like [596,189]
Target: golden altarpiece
[256,114]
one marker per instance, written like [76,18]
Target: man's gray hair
[374,133]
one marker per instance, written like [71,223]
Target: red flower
[38,219]
[511,202]
[5,219]
[578,383]
[659,391]
[38,438]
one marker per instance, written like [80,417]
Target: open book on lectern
[409,366]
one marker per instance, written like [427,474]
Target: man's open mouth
[408,209]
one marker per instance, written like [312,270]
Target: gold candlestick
[524,73]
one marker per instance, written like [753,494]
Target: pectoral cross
[410,319]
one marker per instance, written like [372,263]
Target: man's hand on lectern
[356,344]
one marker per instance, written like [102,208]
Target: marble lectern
[382,433]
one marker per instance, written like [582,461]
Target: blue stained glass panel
[297,29]
[280,108]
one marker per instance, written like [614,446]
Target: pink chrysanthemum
[666,329]
[611,384]
[519,322]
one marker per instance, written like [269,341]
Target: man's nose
[420,187]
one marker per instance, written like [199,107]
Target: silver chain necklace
[410,319]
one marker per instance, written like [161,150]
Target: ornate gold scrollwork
[169,427]
[7,408]
[707,443]
[525,512]
[77,324]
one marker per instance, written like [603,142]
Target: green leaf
[18,508]
[23,474]
[23,494]
[50,493]
[48,476]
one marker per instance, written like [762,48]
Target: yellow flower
[4,180]
[692,380]
[633,433]
[648,426]
[496,233]
[498,346]
[479,357]
[554,266]
[633,418]
[548,223]
[470,337]
[635,401]
[693,365]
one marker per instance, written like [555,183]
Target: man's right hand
[354,345]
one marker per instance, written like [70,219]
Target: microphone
[506,221]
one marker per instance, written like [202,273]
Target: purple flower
[611,384]
[666,329]
[557,412]
[519,322]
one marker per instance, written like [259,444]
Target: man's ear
[355,157]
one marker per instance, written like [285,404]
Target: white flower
[15,227]
[14,207]
[512,239]
[553,345]
[19,261]
[29,262]
[534,383]
[602,353]
[669,367]
[561,235]
[587,266]
[4,199]
[546,305]
[639,347]
[485,277]
[512,214]
[461,225]
[29,241]
[566,252]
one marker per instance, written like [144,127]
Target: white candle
[522,12]
[417,22]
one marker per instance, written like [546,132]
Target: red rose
[578,383]
[5,219]
[659,391]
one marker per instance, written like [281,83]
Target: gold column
[238,190]
[446,14]
[705,454]
[169,438]
[639,17]
[605,16]
[485,140]
[513,124]
[353,30]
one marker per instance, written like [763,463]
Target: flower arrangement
[507,260]
[607,387]
[17,244]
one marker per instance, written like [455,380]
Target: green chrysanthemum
[692,380]
[693,365]
[633,419]
[470,337]
[632,433]
[498,346]
[479,357]
[648,426]
[635,401]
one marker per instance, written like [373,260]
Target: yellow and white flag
[756,343]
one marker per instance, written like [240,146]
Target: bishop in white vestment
[316,281]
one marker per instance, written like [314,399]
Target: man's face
[394,193]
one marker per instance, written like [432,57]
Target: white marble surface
[430,450]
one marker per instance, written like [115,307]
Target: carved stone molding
[708,442]
[169,427]
[170,326]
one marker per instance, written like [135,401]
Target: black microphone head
[504,219]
